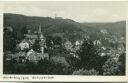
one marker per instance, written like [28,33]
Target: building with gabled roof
[35,57]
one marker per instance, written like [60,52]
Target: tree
[9,66]
[57,40]
[90,58]
[36,46]
[122,60]
[49,42]
[9,40]
[23,32]
[49,67]
[111,67]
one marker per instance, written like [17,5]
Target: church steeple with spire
[39,29]
[40,34]
[41,38]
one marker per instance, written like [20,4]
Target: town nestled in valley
[58,46]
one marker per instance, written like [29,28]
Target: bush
[86,72]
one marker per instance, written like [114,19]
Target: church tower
[41,38]
[39,29]
[40,33]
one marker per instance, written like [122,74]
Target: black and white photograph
[85,38]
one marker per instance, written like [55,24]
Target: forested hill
[65,28]
[111,27]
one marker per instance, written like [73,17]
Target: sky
[80,11]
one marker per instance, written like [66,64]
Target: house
[104,31]
[97,42]
[35,57]
[78,44]
[31,36]
[9,28]
[20,57]
[24,45]
[31,56]
[68,45]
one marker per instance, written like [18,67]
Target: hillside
[62,27]
[65,28]
[113,27]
